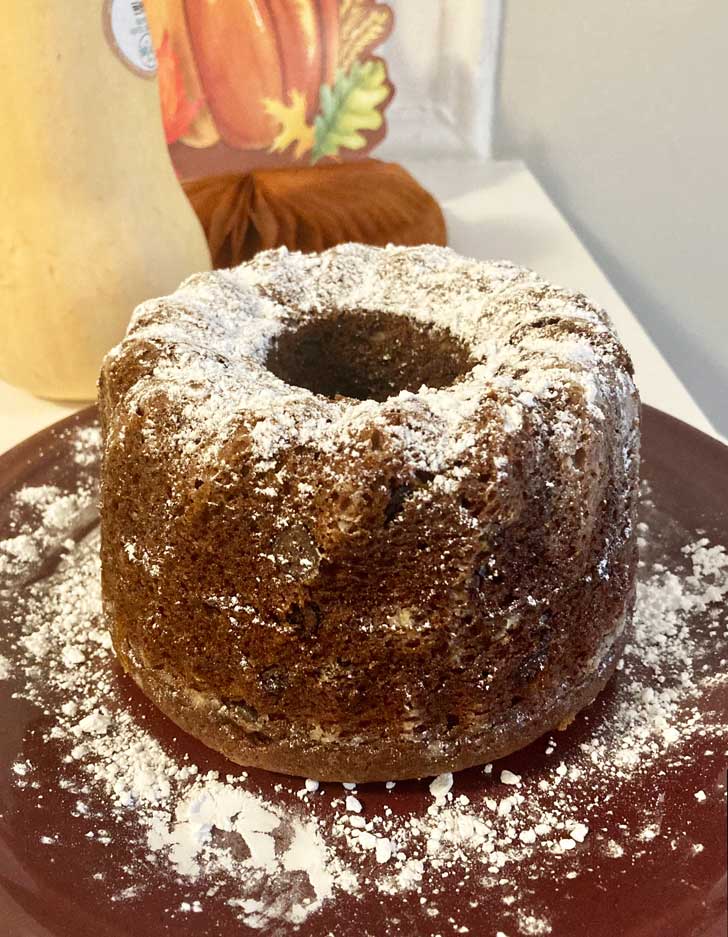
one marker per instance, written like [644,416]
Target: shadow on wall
[704,378]
[679,340]
[618,110]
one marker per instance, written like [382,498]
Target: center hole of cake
[367,356]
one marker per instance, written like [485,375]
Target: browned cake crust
[369,514]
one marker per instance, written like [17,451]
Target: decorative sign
[249,83]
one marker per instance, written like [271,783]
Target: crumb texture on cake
[369,513]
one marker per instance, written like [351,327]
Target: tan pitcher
[92,217]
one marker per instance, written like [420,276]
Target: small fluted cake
[369,514]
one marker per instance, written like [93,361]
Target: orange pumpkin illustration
[307,33]
[289,78]
[237,57]
[175,59]
[178,110]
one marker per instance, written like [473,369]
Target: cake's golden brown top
[524,347]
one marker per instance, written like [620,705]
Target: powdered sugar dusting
[530,342]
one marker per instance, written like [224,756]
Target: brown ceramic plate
[668,892]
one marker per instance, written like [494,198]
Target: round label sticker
[125,24]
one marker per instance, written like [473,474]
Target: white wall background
[442,57]
[621,110]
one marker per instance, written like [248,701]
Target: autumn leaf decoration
[351,105]
[294,130]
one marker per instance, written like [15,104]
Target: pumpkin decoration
[285,80]
[185,113]
[266,103]
[227,38]
[178,110]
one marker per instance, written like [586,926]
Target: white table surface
[493,210]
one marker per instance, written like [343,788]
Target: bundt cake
[368,514]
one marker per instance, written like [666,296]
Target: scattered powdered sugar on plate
[276,855]
[50,517]
[532,926]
